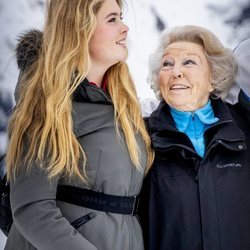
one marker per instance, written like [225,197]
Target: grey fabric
[242,81]
[42,223]
[242,54]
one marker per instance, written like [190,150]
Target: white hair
[222,64]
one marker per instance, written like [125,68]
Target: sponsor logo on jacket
[229,165]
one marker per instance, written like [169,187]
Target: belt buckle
[135,205]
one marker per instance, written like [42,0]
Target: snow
[140,15]
[144,36]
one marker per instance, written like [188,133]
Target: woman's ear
[211,87]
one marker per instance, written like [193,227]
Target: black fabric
[193,203]
[73,195]
[28,48]
[5,210]
[84,93]
[241,114]
[98,201]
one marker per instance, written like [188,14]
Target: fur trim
[28,48]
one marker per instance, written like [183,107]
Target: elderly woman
[197,194]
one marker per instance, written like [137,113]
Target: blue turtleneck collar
[194,124]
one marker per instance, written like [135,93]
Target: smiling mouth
[178,87]
[122,42]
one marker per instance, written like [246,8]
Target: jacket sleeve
[36,216]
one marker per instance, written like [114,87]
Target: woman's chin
[182,106]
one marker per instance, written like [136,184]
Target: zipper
[195,130]
[101,92]
[82,220]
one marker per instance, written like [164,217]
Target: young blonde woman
[78,148]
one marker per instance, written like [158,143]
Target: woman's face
[108,43]
[184,78]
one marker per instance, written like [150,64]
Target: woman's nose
[125,28]
[177,72]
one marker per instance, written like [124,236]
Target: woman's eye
[189,61]
[166,64]
[112,20]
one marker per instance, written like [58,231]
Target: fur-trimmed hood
[27,51]
[28,48]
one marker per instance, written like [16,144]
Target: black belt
[98,201]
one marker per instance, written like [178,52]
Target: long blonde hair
[42,118]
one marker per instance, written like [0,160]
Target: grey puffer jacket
[41,222]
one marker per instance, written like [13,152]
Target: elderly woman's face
[184,78]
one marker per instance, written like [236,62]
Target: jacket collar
[201,118]
[87,92]
[160,123]
[161,118]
